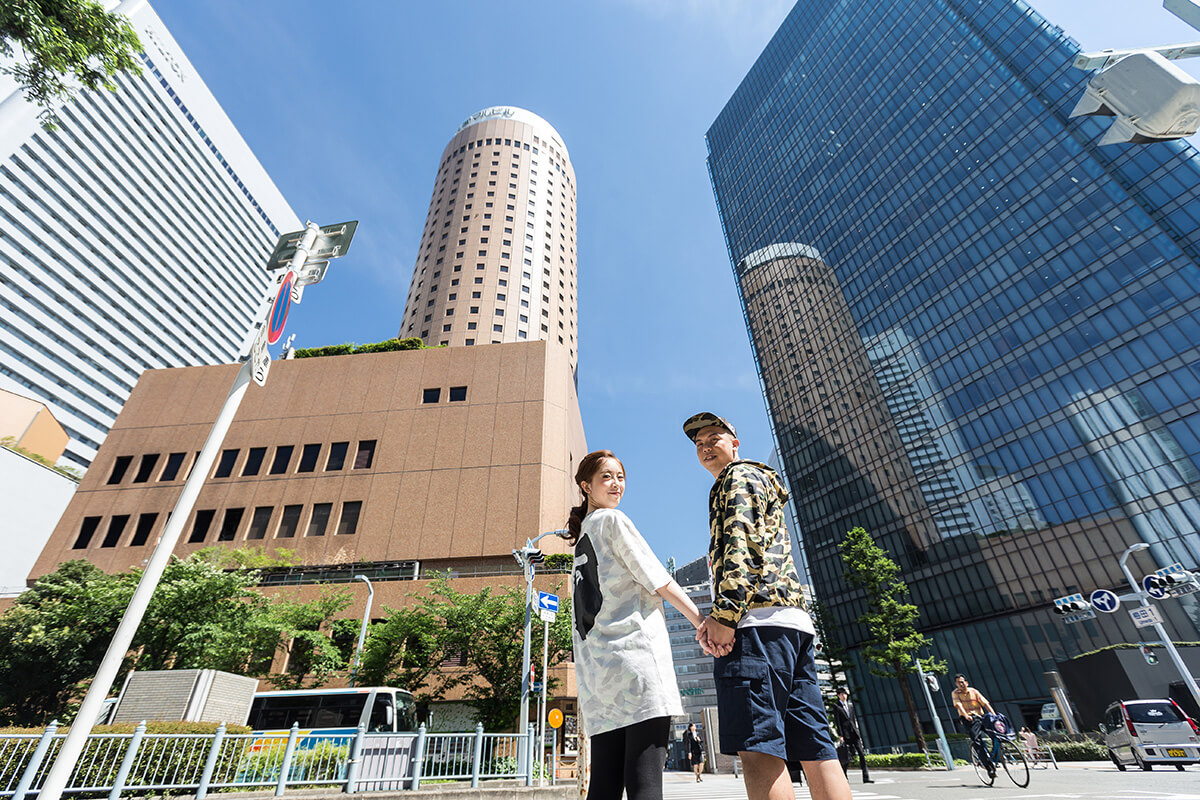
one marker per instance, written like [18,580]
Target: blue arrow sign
[1150,585]
[1104,600]
[547,601]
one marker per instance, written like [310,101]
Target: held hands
[715,638]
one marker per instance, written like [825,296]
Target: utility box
[185,695]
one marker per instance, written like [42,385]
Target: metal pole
[530,732]
[352,767]
[1188,680]
[541,746]
[418,762]
[288,753]
[943,745]
[362,628]
[35,762]
[523,559]
[210,764]
[477,755]
[85,718]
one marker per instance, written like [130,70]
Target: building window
[118,471]
[458,394]
[146,468]
[348,524]
[116,526]
[260,522]
[308,458]
[498,328]
[201,524]
[337,456]
[174,462]
[431,395]
[365,455]
[254,460]
[319,520]
[231,523]
[145,524]
[283,457]
[225,465]
[289,522]
[86,530]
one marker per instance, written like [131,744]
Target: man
[768,701]
[970,705]
[847,727]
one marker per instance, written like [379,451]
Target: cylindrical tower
[497,258]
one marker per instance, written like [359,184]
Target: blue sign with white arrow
[1104,600]
[547,602]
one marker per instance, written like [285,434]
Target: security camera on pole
[300,252]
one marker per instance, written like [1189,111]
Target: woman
[623,667]
[695,753]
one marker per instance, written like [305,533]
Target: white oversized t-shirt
[623,663]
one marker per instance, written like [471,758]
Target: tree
[403,651]
[56,42]
[889,618]
[832,649]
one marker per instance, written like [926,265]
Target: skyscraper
[497,256]
[134,237]
[976,328]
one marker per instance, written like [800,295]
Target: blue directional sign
[1152,587]
[1104,600]
[547,602]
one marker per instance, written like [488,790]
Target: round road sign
[1104,600]
[279,308]
[1153,587]
[555,718]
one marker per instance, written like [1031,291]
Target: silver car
[1149,732]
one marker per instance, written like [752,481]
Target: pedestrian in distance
[695,753]
[768,700]
[623,666]
[847,726]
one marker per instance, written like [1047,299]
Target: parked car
[1149,732]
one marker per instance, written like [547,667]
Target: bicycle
[1006,754]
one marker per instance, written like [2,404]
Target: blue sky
[348,106]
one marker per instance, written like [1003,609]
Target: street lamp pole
[362,628]
[1188,680]
[529,556]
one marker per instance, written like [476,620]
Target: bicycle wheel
[1015,765]
[980,772]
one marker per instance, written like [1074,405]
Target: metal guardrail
[140,761]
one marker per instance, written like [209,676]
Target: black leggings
[630,759]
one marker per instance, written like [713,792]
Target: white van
[1149,732]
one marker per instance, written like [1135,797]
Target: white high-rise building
[133,237]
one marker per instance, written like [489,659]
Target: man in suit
[847,728]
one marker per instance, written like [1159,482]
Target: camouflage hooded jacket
[749,554]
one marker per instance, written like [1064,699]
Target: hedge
[1077,751]
[386,346]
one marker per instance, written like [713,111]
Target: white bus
[379,709]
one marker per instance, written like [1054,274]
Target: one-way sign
[547,602]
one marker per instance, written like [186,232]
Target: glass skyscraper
[976,328]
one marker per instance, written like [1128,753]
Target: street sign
[332,242]
[546,616]
[536,687]
[279,308]
[1104,600]
[1145,616]
[555,718]
[260,358]
[1152,587]
[547,601]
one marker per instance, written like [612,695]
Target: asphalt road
[1090,781]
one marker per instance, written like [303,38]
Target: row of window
[336,459]
[292,522]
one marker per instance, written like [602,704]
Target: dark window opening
[289,522]
[283,457]
[225,465]
[85,532]
[348,524]
[337,456]
[118,471]
[116,526]
[431,395]
[171,470]
[458,394]
[201,524]
[145,524]
[254,460]
[146,468]
[365,455]
[319,520]
[260,522]
[230,525]
[308,458]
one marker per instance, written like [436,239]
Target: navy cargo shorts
[768,700]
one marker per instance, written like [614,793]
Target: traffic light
[1149,654]
[1173,580]
[1151,100]
[1070,605]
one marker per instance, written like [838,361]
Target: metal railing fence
[140,762]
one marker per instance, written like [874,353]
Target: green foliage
[1089,750]
[10,443]
[559,562]
[61,41]
[403,651]
[905,761]
[387,346]
[251,557]
[890,620]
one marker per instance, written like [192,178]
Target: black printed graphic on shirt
[585,595]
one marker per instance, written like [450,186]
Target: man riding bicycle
[970,705]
